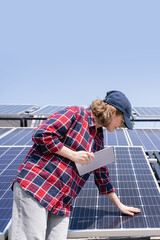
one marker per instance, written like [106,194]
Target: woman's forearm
[81,157]
[114,198]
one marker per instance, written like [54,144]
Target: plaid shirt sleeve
[102,180]
[49,134]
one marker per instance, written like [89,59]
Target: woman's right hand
[82,157]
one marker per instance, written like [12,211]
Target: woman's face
[116,122]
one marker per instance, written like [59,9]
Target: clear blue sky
[72,52]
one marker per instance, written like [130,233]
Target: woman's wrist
[67,153]
[114,198]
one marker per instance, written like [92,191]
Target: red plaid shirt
[51,179]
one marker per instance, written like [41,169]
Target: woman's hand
[128,210]
[82,157]
[123,208]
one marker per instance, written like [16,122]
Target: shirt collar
[91,120]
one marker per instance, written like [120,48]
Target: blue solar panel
[16,109]
[94,215]
[115,138]
[4,130]
[148,138]
[19,136]
[147,111]
[10,160]
[49,110]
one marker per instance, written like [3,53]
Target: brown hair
[103,112]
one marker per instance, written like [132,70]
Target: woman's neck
[97,124]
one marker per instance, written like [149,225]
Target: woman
[47,181]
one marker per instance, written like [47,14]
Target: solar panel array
[50,109]
[32,115]
[95,216]
[131,176]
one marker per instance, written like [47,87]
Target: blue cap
[118,100]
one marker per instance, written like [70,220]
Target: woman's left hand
[123,208]
[128,210]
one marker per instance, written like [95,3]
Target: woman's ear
[113,111]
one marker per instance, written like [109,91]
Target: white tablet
[102,158]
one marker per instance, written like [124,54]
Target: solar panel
[148,138]
[4,130]
[94,215]
[10,160]
[115,138]
[16,109]
[18,136]
[147,111]
[48,110]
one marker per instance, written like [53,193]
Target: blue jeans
[31,221]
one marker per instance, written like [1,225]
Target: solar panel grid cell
[122,141]
[3,131]
[147,111]
[14,109]
[148,138]
[140,111]
[156,111]
[157,133]
[153,137]
[19,136]
[49,110]
[115,138]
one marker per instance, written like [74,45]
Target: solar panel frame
[119,225]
